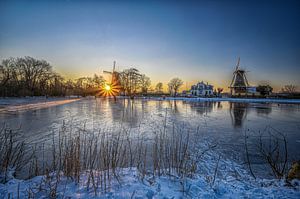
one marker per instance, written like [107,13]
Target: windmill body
[239,83]
[115,79]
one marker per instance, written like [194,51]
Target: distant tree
[33,71]
[29,76]
[57,86]
[25,76]
[290,89]
[145,83]
[174,85]
[5,75]
[264,90]
[5,71]
[159,87]
[130,81]
[98,81]
[219,91]
[69,86]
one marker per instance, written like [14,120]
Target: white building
[202,89]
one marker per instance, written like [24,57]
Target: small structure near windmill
[202,89]
[239,84]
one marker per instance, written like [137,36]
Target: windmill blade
[114,67]
[247,83]
[238,64]
[107,72]
[233,79]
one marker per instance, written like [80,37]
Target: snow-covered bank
[246,100]
[215,178]
[31,103]
[130,185]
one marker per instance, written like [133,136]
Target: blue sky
[192,40]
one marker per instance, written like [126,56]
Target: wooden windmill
[239,83]
[115,80]
[114,87]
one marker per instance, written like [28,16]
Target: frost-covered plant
[272,147]
[274,151]
[12,153]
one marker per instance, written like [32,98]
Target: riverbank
[230,181]
[244,100]
[32,103]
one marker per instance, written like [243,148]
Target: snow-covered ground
[214,179]
[132,186]
[31,103]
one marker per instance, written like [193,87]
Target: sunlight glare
[107,87]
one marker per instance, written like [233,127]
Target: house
[202,89]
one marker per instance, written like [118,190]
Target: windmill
[114,74]
[113,88]
[239,83]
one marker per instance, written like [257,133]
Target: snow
[231,181]
[131,186]
[31,103]
[248,100]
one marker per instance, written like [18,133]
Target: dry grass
[12,153]
[100,154]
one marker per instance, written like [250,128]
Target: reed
[101,154]
[13,156]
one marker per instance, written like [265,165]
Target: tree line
[27,76]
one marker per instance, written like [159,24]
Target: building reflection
[202,108]
[238,113]
[266,109]
[219,105]
[132,112]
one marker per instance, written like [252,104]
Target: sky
[192,40]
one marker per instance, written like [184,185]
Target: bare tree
[159,87]
[5,74]
[145,83]
[24,76]
[98,81]
[273,149]
[5,71]
[33,70]
[174,85]
[290,89]
[130,81]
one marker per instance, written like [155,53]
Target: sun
[107,87]
[108,90]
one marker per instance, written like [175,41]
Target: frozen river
[223,123]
